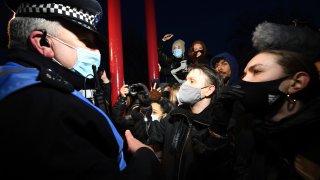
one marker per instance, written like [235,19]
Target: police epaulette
[53,79]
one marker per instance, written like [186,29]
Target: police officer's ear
[40,43]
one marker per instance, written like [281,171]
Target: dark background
[224,25]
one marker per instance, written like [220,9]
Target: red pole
[152,43]
[115,48]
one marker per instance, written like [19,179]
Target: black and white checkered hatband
[84,18]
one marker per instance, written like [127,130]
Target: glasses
[59,40]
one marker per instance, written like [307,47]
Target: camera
[134,89]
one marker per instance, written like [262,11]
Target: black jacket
[169,63]
[48,133]
[130,118]
[267,150]
[189,150]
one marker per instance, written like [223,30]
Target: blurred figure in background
[198,53]
[174,66]
[227,66]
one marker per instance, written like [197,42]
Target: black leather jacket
[189,150]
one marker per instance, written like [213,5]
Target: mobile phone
[155,80]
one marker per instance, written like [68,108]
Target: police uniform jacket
[48,133]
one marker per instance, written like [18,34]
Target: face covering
[189,95]
[262,97]
[154,117]
[177,53]
[85,60]
[195,53]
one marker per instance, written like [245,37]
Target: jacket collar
[205,117]
[32,59]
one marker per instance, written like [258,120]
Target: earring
[292,102]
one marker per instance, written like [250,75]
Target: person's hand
[229,95]
[104,77]
[223,108]
[133,143]
[154,87]
[167,37]
[183,65]
[124,90]
[155,93]
[198,54]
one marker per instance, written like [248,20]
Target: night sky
[223,25]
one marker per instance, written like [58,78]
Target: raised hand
[167,37]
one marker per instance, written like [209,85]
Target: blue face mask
[85,60]
[177,53]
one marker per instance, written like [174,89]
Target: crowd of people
[206,119]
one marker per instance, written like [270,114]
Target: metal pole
[115,48]
[152,43]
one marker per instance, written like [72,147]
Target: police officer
[48,129]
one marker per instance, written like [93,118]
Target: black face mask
[262,97]
[196,52]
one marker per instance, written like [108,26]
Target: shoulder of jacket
[53,79]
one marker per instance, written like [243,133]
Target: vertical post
[115,48]
[152,43]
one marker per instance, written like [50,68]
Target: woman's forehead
[156,106]
[264,59]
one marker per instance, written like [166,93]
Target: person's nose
[219,68]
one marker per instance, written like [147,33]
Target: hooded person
[227,66]
[49,130]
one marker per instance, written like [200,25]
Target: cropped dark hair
[213,76]
[165,104]
[293,62]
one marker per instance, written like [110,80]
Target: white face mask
[154,117]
